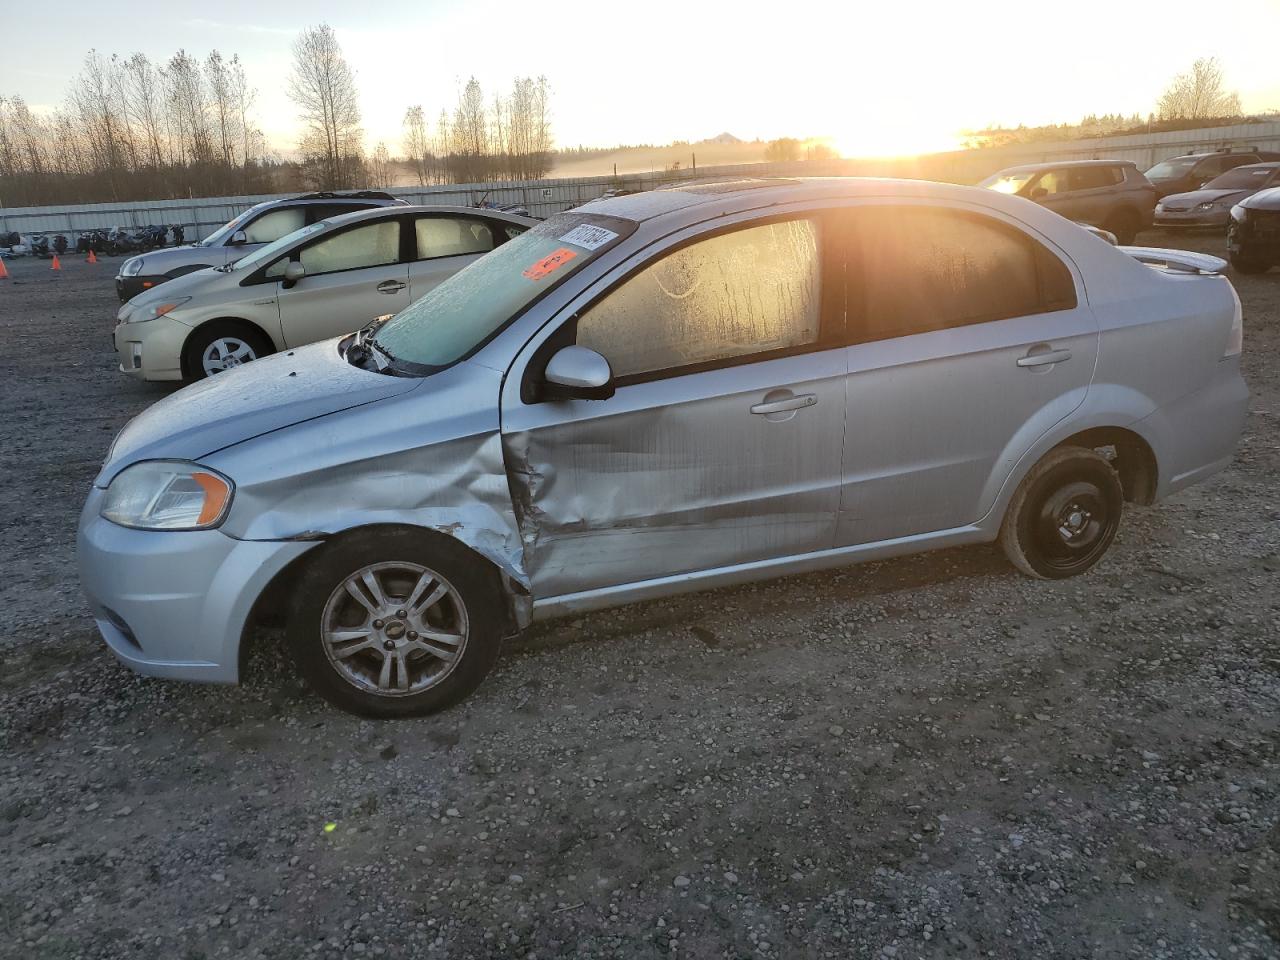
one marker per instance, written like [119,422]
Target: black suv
[1194,170]
[1253,232]
[259,225]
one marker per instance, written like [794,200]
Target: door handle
[790,403]
[391,286]
[1043,359]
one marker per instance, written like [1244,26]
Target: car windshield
[1010,182]
[268,253]
[462,313]
[1171,169]
[1241,178]
[219,236]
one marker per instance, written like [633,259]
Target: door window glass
[915,269]
[1091,178]
[370,246]
[748,292]
[449,237]
[274,224]
[1053,182]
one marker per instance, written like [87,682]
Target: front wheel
[220,345]
[1064,514]
[396,623]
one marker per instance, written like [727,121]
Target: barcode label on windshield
[588,236]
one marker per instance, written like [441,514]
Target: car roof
[1206,156]
[375,213]
[735,195]
[1060,164]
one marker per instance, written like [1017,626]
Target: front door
[721,445]
[351,277]
[969,341]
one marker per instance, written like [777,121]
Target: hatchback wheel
[1064,514]
[396,623]
[219,346]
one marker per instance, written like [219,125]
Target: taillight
[1235,339]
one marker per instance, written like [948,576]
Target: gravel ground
[928,757]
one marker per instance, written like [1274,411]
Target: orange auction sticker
[549,264]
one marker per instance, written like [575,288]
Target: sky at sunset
[877,79]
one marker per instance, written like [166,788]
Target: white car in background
[328,278]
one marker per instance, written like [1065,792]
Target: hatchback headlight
[1207,205]
[132,267]
[1239,213]
[167,495]
[156,310]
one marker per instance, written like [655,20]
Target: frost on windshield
[750,291]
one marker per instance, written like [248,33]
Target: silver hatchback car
[660,393]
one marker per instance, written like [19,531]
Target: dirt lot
[930,757]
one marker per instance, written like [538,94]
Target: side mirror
[238,238]
[1038,193]
[293,273]
[577,373]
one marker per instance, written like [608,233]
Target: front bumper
[1192,218]
[129,287]
[151,350]
[174,604]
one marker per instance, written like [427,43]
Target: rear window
[1091,178]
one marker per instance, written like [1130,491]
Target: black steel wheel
[1064,514]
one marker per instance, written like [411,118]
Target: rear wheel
[1064,514]
[1124,224]
[396,623]
[1244,264]
[221,345]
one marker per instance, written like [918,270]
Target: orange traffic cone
[92,258]
[56,264]
[4,271]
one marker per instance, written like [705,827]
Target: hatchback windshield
[1171,169]
[1010,182]
[471,306]
[1241,178]
[265,254]
[218,236]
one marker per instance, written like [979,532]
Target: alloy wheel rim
[394,629]
[225,353]
[1073,524]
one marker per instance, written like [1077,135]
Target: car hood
[187,285]
[166,259]
[1268,199]
[1193,197]
[258,398]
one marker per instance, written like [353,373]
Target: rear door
[969,338]
[352,276]
[1094,191]
[443,245]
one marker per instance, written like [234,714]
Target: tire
[1124,224]
[1064,514]
[1245,265]
[341,644]
[222,344]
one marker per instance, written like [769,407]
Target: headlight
[1239,213]
[132,267]
[157,310]
[1160,207]
[167,495]
[1207,205]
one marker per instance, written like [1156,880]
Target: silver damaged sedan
[658,393]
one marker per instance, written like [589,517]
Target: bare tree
[323,86]
[222,105]
[1199,94]
[415,143]
[379,167]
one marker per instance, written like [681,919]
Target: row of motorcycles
[113,242]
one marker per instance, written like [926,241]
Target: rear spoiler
[1177,261]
